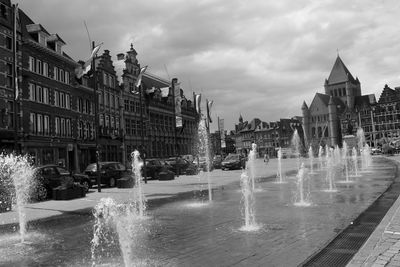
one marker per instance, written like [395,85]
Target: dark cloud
[257,58]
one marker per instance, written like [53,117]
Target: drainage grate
[343,247]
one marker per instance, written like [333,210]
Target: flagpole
[96,119]
[142,132]
[16,93]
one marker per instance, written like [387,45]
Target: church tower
[342,84]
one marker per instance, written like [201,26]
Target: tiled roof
[340,73]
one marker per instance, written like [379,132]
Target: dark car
[181,165]
[110,172]
[233,162]
[51,176]
[201,163]
[217,162]
[154,167]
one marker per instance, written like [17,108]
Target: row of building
[47,112]
[332,117]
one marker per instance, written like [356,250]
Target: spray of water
[296,144]
[248,204]
[355,162]
[303,192]
[320,152]
[279,174]
[17,179]
[250,165]
[330,172]
[205,149]
[114,221]
[139,200]
[311,158]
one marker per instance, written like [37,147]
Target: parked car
[376,151]
[217,162]
[51,176]
[201,163]
[185,167]
[110,172]
[233,161]
[154,167]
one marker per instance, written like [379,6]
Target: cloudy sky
[258,58]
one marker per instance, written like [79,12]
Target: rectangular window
[68,126]
[107,99]
[112,122]
[112,101]
[62,126]
[101,120]
[67,77]
[56,98]
[46,95]
[67,101]
[33,123]
[107,121]
[32,64]
[46,125]
[39,123]
[62,99]
[39,66]
[57,126]
[39,94]
[32,92]
[87,106]
[45,69]
[62,75]
[56,74]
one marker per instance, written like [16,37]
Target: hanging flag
[82,70]
[120,56]
[209,105]
[16,18]
[150,90]
[164,91]
[139,77]
[197,102]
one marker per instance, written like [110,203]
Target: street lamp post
[142,132]
[96,120]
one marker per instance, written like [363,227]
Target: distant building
[332,114]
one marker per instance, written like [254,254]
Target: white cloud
[258,58]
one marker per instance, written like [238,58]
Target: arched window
[326,133]
[313,132]
[319,132]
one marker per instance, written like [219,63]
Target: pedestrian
[266,158]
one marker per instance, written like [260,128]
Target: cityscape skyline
[257,60]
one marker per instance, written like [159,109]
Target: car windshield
[62,171]
[232,157]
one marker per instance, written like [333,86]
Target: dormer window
[42,39]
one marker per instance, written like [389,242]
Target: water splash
[17,178]
[345,152]
[311,158]
[250,165]
[296,144]
[139,200]
[303,192]
[320,152]
[279,174]
[205,149]
[248,204]
[330,172]
[110,218]
[355,162]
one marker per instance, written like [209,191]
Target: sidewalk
[154,189]
[383,246]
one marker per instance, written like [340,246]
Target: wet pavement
[180,232]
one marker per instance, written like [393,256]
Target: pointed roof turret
[240,118]
[340,73]
[304,106]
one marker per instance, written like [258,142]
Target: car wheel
[111,182]
[86,185]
